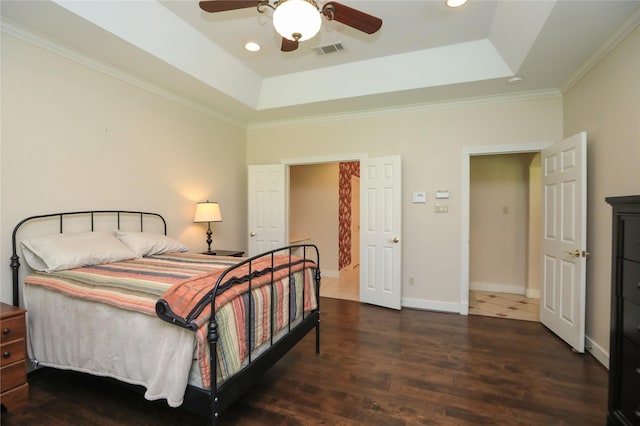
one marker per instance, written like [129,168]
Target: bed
[110,294]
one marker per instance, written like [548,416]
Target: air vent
[329,48]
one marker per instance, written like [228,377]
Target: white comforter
[90,337]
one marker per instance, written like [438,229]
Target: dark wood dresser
[624,350]
[13,373]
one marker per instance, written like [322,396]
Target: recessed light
[514,80]
[252,46]
[455,3]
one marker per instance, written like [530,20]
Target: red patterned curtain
[347,170]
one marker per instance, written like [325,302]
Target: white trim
[597,351]
[497,287]
[430,305]
[465,204]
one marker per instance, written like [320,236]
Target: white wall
[606,103]
[313,207]
[430,141]
[74,138]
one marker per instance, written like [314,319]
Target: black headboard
[60,217]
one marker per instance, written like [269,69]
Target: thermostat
[419,197]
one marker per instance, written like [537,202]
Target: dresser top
[628,199]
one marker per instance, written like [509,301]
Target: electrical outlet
[412,281]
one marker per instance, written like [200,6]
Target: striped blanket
[138,284]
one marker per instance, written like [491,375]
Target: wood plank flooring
[376,367]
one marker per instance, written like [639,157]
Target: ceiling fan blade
[224,5]
[288,45]
[351,17]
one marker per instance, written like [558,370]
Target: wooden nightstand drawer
[12,328]
[16,398]
[12,352]
[13,375]
[14,389]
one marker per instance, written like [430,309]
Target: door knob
[575,253]
[252,234]
[395,239]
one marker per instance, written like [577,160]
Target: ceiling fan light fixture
[297,20]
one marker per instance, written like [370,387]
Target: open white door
[380,231]
[266,206]
[564,239]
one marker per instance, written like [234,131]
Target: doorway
[324,209]
[504,244]
[467,154]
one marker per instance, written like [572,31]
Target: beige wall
[313,209]
[430,142]
[606,103]
[499,217]
[74,138]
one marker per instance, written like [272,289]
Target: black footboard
[219,398]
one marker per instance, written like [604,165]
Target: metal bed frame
[212,402]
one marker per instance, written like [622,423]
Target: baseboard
[497,287]
[430,305]
[597,351]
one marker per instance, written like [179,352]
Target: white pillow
[66,251]
[149,243]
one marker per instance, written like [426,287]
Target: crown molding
[605,48]
[479,100]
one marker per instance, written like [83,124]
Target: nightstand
[232,253]
[14,389]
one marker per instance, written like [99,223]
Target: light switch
[442,194]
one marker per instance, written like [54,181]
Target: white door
[564,239]
[380,232]
[266,206]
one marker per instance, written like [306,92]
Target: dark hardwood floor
[376,367]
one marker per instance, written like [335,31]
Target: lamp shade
[207,211]
[297,20]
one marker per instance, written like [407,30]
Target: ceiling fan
[299,20]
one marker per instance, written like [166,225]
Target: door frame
[465,212]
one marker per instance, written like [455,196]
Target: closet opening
[505,235]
